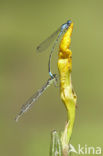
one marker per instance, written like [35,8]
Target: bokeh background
[23,25]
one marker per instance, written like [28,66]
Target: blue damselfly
[46,43]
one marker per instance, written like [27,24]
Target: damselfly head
[69,22]
[66,25]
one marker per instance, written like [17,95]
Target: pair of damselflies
[53,77]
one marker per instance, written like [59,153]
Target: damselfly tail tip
[17,118]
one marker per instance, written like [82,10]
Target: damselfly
[31,100]
[45,44]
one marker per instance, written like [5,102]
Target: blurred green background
[23,25]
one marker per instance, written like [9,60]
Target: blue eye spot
[69,22]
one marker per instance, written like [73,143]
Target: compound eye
[69,22]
